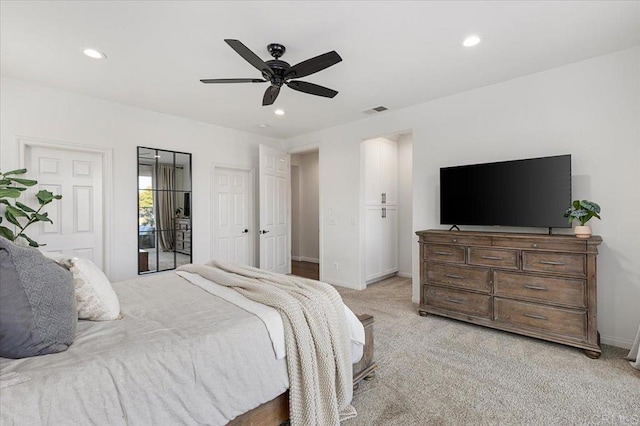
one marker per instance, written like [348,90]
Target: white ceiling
[394,54]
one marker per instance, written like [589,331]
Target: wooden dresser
[541,286]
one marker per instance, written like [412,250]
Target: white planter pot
[582,231]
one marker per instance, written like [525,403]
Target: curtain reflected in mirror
[164,210]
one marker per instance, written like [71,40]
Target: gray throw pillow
[37,303]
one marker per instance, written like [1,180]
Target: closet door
[389,171]
[371,155]
[389,246]
[374,241]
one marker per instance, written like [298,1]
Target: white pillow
[95,298]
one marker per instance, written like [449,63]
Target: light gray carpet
[434,371]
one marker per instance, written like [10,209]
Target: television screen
[533,193]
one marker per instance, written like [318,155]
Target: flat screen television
[533,192]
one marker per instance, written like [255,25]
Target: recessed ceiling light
[470,41]
[263,126]
[94,54]
[278,112]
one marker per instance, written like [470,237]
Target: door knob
[264,231]
[246,231]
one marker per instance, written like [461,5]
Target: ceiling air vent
[375,110]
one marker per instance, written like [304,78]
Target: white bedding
[272,319]
[178,356]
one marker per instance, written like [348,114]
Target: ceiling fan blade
[233,80]
[249,56]
[313,65]
[270,95]
[312,89]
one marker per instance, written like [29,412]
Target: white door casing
[77,228]
[233,240]
[275,214]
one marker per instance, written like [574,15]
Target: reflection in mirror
[164,210]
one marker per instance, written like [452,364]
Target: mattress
[179,355]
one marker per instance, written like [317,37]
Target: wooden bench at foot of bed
[276,411]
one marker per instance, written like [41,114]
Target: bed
[179,355]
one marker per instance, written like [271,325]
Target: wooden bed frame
[276,411]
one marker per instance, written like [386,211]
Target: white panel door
[374,240]
[78,216]
[275,217]
[371,155]
[231,199]
[389,246]
[389,171]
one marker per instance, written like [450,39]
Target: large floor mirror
[164,210]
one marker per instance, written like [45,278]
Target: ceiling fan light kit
[278,72]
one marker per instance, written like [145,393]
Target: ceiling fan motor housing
[279,68]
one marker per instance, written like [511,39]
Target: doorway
[305,215]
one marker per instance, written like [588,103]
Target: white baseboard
[615,341]
[381,277]
[343,284]
[405,274]
[305,259]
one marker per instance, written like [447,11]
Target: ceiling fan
[279,72]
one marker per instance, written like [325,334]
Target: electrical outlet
[333,221]
[335,265]
[353,221]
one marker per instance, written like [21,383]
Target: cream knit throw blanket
[316,338]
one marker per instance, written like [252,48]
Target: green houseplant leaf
[15,172]
[7,233]
[25,182]
[24,208]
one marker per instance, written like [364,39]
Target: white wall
[36,111]
[405,204]
[589,109]
[308,222]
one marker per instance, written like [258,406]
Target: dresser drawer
[493,257]
[570,264]
[563,291]
[459,301]
[452,254]
[457,276]
[182,225]
[563,322]
[556,243]
[452,238]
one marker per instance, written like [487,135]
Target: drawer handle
[444,253]
[535,287]
[549,262]
[540,317]
[535,246]
[459,277]
[455,240]
[458,301]
[492,257]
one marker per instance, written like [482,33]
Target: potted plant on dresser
[582,211]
